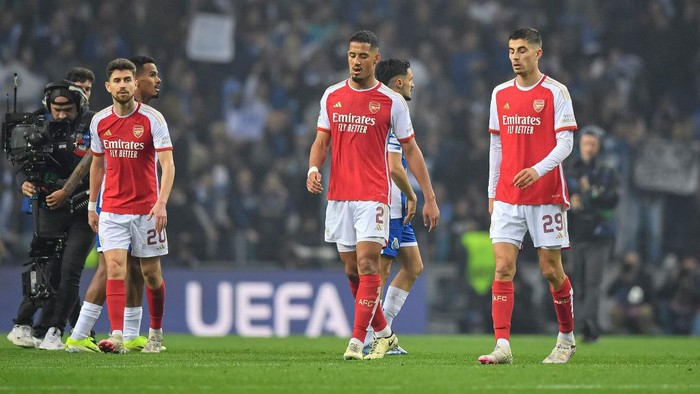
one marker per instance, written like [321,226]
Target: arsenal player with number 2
[131,138]
[531,124]
[356,118]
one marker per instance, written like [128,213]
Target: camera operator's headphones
[64,88]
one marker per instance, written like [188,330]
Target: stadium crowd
[242,128]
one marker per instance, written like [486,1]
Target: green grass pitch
[436,364]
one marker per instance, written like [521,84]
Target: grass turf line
[436,364]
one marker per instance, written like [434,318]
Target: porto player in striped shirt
[531,124]
[357,116]
[131,138]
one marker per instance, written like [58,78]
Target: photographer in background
[594,195]
[83,78]
[66,102]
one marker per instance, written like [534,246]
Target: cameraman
[66,102]
[594,195]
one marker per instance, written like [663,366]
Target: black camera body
[43,151]
[41,148]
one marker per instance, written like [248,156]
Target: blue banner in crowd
[250,303]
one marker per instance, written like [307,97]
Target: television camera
[42,150]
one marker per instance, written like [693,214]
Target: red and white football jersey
[359,122]
[129,145]
[527,120]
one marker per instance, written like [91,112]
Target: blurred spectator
[633,295]
[679,299]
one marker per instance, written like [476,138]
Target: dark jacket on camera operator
[593,188]
[61,184]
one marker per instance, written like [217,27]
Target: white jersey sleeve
[95,141]
[159,129]
[493,114]
[396,206]
[324,122]
[401,125]
[564,118]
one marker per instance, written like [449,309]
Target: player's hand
[93,220]
[431,214]
[56,199]
[525,178]
[411,204]
[491,200]
[313,183]
[158,211]
[28,189]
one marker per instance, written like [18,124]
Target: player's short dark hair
[387,69]
[531,35]
[367,37]
[140,61]
[120,64]
[80,74]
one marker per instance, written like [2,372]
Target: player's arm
[416,162]
[60,196]
[167,178]
[97,172]
[495,158]
[400,178]
[317,156]
[565,144]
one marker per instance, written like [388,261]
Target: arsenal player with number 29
[356,118]
[131,138]
[531,124]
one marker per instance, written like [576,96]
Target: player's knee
[367,265]
[415,270]
[552,274]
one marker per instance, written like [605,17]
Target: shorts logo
[138,131]
[374,107]
[395,244]
[538,105]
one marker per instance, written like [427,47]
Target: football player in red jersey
[132,138]
[148,88]
[356,117]
[531,124]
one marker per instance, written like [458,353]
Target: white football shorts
[117,231]
[348,222]
[547,225]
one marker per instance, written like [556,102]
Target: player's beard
[122,101]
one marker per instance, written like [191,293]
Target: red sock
[353,287]
[156,305]
[502,300]
[564,306]
[367,307]
[116,301]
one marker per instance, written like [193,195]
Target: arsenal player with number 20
[131,138]
[356,118]
[531,124]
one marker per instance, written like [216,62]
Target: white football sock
[393,302]
[566,338]
[132,322]
[89,313]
